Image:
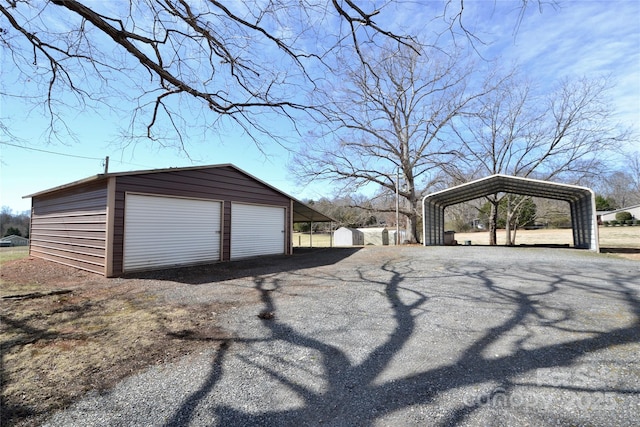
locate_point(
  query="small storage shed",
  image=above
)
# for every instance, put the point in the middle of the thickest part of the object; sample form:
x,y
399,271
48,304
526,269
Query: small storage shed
x,y
345,236
376,236
117,223
402,237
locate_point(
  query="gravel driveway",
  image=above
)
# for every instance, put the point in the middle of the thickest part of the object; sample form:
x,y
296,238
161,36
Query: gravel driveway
x,y
400,336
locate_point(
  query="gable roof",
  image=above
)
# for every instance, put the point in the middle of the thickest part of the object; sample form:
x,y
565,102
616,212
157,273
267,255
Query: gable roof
x,y
500,183
301,211
614,211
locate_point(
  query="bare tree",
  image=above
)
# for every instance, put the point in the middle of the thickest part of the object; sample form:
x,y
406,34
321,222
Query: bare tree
x,y
384,125
564,136
622,188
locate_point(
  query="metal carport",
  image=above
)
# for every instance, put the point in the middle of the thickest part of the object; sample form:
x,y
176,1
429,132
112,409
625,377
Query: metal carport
x,y
304,213
581,201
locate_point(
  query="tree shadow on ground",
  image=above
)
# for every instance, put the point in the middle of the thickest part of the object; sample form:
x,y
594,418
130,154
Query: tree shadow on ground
x,y
620,250
354,393
250,267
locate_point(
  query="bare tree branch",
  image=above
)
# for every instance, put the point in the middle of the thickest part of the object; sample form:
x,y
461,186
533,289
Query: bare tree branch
x,y
233,60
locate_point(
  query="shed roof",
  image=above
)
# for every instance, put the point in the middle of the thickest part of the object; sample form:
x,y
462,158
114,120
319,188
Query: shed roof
x,y
372,229
301,211
14,238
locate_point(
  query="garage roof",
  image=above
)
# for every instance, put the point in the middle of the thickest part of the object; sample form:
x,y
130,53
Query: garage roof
x,y
507,184
301,211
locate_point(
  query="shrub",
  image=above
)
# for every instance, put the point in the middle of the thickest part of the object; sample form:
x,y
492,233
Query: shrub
x,y
613,222
623,216
606,223
629,222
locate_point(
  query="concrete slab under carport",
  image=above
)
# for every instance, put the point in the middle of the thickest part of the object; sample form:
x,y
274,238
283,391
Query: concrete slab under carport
x,y
581,201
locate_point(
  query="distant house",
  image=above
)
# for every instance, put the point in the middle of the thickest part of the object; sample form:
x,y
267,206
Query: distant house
x,y
611,215
14,240
345,236
377,236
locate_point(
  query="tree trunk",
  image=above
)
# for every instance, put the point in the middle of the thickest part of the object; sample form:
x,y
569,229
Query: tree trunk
x,y
412,227
509,218
414,203
493,223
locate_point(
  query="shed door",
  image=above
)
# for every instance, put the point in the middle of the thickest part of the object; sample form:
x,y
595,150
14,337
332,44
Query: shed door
x,y
257,230
170,231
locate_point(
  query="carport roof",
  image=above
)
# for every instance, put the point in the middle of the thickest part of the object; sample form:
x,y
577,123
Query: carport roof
x,y
507,184
301,211
304,213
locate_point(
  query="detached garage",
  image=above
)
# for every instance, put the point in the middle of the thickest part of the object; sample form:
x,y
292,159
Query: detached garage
x,y
117,223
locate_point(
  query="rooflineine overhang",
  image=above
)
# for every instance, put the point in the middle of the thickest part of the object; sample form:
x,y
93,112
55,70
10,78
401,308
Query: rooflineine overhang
x,y
301,211
581,201
304,213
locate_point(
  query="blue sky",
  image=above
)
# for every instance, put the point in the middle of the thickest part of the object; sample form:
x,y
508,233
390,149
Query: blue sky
x,y
578,38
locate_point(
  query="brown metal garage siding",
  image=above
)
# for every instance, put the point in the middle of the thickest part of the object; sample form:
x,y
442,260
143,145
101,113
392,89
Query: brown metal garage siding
x,y
216,183
69,226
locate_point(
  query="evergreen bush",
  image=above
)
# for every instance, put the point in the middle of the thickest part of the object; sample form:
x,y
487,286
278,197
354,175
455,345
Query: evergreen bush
x,y
623,216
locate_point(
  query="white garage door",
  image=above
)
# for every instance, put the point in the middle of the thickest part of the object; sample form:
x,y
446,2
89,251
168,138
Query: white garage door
x,y
256,230
170,231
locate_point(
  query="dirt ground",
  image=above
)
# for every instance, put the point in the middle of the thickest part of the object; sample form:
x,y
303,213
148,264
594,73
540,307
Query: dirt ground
x,y
64,332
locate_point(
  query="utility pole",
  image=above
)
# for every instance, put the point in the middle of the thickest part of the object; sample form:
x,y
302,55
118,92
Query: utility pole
x,y
106,165
397,206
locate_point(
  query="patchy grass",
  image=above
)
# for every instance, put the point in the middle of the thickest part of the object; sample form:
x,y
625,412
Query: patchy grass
x,y
620,237
56,347
305,240
610,237
13,253
617,237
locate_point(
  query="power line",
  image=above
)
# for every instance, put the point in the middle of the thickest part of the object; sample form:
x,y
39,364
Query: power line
x,y
68,155
49,152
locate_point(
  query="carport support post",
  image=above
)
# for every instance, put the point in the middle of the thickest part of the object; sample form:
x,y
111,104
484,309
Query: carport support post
x,y
331,234
310,234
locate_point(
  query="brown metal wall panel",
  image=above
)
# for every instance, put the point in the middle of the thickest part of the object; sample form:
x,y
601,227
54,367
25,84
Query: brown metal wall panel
x,y
80,235
226,231
73,218
72,200
117,262
90,242
69,226
82,262
70,249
